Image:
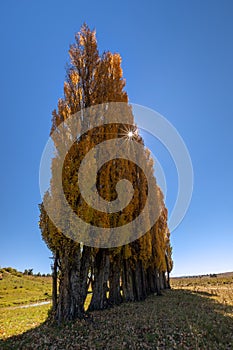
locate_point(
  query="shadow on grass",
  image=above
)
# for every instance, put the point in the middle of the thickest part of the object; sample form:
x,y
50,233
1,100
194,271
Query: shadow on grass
x,y
181,319
207,294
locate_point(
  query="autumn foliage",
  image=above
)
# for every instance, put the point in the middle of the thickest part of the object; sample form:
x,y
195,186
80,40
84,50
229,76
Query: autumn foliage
x,y
128,272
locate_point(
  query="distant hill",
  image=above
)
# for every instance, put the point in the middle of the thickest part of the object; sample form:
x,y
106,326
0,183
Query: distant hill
x,y
219,275
225,274
17,288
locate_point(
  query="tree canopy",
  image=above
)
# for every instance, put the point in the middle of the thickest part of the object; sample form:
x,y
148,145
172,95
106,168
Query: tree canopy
x,y
127,272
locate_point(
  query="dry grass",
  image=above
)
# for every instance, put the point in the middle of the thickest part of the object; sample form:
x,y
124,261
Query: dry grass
x,y
195,314
18,290
218,288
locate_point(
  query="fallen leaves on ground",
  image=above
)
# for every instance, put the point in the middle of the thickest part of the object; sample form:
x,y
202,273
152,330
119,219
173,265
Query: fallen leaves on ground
x,y
180,319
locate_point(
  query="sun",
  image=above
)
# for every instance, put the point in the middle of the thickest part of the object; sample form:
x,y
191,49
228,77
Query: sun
x,y
129,132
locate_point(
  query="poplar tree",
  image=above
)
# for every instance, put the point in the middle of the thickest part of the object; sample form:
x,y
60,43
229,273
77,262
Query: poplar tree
x,y
126,273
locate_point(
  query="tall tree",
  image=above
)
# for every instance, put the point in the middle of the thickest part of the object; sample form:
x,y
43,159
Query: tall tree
x,y
128,272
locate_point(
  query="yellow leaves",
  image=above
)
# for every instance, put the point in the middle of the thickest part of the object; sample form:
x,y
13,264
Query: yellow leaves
x,y
81,39
67,90
74,77
85,35
79,94
93,79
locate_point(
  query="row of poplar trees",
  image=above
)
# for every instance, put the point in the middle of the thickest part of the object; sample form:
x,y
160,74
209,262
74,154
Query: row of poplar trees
x,y
113,275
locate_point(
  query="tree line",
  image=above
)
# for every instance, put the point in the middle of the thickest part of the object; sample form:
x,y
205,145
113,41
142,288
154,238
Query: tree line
x,y
26,272
124,273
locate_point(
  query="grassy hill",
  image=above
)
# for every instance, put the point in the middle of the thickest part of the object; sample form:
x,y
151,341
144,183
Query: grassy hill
x,y
18,289
196,314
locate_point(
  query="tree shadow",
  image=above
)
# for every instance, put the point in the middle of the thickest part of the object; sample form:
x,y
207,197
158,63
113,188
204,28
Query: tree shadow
x,y
182,319
202,293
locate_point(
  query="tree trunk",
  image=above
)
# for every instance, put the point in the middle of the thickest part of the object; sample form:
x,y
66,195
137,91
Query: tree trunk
x,y
99,286
157,282
85,268
164,280
168,272
70,302
168,280
127,282
144,282
54,284
161,281
139,288
151,282
114,282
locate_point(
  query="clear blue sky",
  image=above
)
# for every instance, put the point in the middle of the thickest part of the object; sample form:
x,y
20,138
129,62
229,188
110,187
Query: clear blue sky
x,y
177,59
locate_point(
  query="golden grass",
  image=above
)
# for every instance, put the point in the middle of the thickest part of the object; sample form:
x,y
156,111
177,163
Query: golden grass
x,y
18,290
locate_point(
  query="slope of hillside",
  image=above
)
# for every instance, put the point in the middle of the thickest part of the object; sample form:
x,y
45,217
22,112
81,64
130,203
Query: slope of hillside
x,y
18,289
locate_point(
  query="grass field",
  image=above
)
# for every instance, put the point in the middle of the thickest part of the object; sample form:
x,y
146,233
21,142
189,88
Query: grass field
x,y
20,289
18,320
16,290
196,314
